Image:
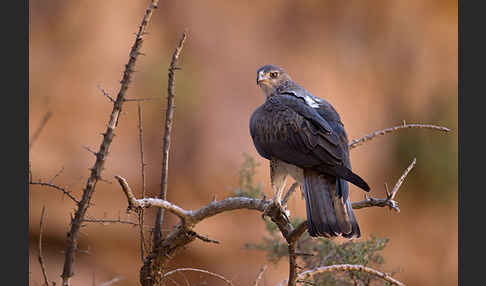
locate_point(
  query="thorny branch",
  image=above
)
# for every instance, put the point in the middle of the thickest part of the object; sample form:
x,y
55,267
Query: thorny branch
x,y
166,140
95,176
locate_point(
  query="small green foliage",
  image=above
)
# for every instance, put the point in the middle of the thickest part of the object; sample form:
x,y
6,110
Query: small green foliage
x,y
248,188
327,252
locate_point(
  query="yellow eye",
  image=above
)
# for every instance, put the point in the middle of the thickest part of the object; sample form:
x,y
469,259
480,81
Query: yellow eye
x,y
274,74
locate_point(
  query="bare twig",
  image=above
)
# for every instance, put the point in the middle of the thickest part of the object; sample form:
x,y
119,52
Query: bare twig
x,y
349,267
106,94
141,215
57,188
41,258
206,239
198,270
112,281
141,99
51,180
260,275
166,140
38,131
356,142
389,201
109,221
72,237
402,178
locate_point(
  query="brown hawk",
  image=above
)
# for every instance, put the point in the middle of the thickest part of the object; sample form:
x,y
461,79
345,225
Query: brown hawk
x,y
302,135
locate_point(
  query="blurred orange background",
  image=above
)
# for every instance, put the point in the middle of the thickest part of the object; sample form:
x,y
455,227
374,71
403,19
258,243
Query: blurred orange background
x,y
378,63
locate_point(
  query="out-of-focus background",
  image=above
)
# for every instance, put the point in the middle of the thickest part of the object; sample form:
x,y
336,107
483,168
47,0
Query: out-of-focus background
x,y
378,63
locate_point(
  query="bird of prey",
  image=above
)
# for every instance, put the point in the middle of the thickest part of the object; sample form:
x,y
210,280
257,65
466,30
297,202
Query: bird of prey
x,y
302,135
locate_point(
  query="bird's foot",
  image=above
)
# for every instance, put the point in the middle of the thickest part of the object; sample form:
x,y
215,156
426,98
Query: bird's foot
x,y
275,209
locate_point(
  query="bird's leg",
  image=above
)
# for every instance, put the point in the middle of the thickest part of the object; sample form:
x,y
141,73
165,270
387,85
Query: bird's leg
x,y
278,177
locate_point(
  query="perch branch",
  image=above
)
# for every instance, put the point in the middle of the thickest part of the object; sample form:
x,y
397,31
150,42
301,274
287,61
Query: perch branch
x,y
349,267
292,264
166,139
356,142
41,258
198,270
72,237
190,217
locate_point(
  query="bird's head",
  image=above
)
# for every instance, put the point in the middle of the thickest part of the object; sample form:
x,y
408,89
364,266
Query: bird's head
x,y
269,77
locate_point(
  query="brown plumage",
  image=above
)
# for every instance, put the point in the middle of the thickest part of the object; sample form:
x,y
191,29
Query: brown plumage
x,y
302,135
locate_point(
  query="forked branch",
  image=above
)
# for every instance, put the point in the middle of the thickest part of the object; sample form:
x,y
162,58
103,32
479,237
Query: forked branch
x,y
166,140
389,201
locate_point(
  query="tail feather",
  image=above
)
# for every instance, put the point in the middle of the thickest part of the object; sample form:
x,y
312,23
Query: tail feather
x,y
351,177
329,212
344,190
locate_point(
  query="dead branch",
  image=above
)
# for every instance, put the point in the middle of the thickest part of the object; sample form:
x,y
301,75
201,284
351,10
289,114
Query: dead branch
x,y
356,142
166,140
72,237
260,275
198,270
389,201
38,131
41,258
349,267
189,217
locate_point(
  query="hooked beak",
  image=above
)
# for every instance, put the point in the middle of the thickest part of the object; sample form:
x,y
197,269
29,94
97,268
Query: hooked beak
x,y
261,77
